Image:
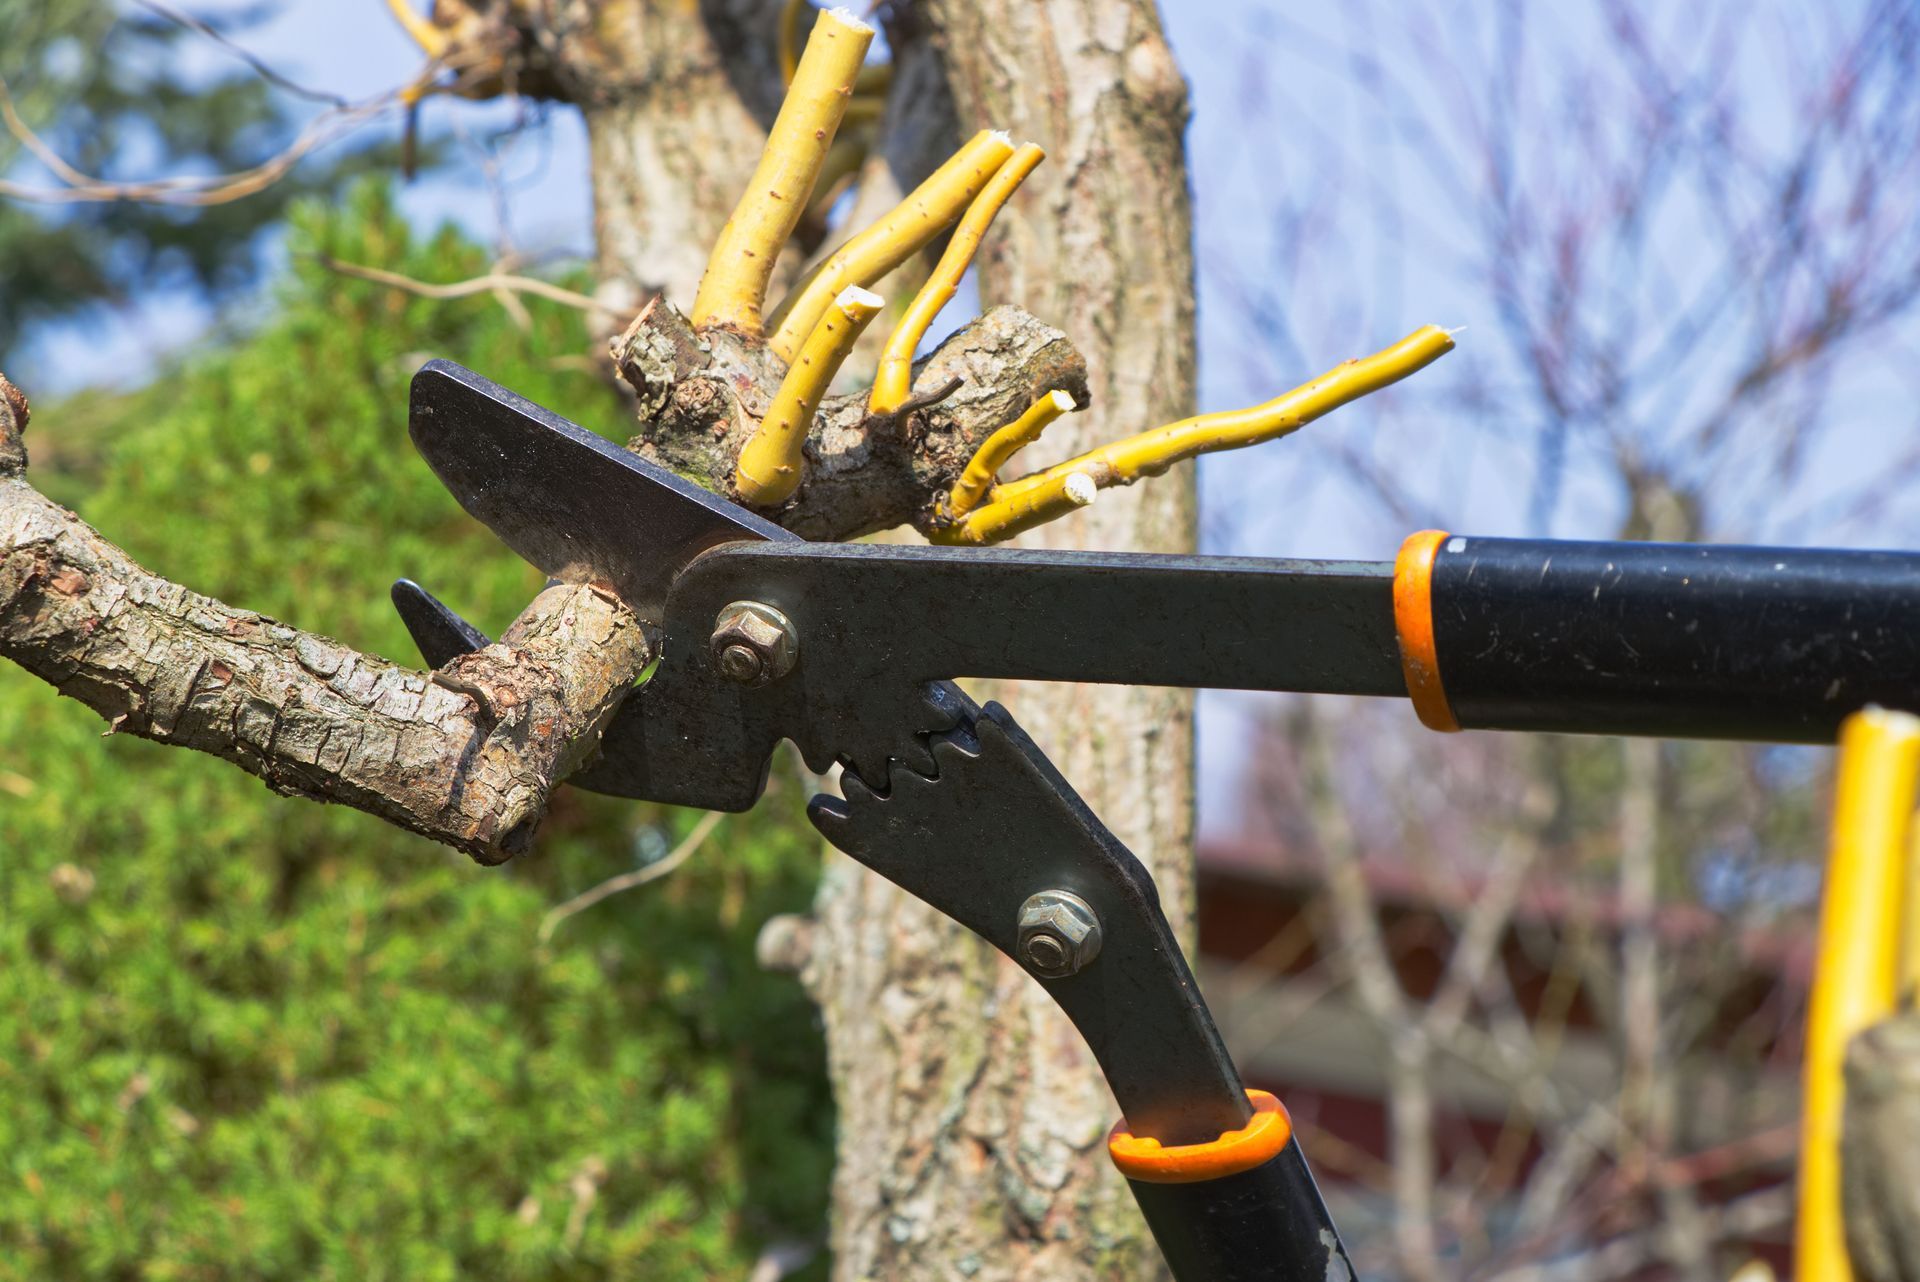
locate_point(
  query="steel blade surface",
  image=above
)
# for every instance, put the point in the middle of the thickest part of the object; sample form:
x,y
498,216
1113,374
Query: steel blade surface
x,y
576,506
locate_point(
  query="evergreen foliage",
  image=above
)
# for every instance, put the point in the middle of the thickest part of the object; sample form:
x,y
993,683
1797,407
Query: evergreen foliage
x,y
244,1036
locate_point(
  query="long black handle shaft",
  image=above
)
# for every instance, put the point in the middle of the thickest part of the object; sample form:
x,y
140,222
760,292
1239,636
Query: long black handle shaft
x,y
1673,640
1267,1224
880,610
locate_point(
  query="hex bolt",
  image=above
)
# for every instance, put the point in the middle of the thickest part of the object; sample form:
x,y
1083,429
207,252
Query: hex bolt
x,y
753,643
1059,933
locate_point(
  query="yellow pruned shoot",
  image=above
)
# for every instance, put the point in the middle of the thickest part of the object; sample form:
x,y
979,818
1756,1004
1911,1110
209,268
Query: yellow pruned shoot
x,y
1000,448
734,286
873,79
932,207
1856,965
424,33
1033,500
894,383
768,470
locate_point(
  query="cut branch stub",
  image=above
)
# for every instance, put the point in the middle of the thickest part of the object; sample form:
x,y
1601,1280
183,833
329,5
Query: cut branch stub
x,y
702,394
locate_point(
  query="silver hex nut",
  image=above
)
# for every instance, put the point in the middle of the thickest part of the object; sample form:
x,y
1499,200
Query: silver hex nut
x,y
753,643
1059,933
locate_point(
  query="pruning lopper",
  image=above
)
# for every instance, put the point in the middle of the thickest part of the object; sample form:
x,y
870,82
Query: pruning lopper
x,y
849,650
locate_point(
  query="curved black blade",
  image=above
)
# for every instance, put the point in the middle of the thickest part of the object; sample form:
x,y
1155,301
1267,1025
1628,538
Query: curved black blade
x,y
995,824
441,635
578,507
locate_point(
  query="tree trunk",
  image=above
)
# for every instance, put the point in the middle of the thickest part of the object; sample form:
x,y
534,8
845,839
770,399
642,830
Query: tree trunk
x,y
676,108
972,1118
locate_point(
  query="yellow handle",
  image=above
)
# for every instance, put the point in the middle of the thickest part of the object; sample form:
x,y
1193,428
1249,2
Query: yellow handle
x,y
1862,954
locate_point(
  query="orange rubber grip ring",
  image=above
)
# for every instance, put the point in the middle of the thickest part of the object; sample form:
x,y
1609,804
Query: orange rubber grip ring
x,y
1151,1162
1413,621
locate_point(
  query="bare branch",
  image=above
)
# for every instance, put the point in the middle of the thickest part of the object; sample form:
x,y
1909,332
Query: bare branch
x,y
467,755
260,68
191,192
703,393
626,881
491,283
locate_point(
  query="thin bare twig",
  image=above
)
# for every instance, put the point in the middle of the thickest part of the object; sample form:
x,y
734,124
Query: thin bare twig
x,y
929,399
260,68
638,877
491,283
192,192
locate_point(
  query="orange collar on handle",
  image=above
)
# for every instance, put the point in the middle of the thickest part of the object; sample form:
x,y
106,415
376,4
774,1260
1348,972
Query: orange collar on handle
x,y
1413,621
1255,1144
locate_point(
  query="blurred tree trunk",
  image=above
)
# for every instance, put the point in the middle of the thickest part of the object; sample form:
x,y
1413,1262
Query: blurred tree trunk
x,y
972,1119
676,107
978,1143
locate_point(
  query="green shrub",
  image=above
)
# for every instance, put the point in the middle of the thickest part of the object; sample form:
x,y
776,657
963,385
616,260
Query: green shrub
x,y
248,1036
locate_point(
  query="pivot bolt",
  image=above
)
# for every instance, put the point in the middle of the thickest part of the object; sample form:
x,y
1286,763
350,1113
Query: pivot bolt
x,y
1059,933
753,643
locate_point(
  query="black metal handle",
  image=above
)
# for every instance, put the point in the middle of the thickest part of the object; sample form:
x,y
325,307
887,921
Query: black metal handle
x,y
1267,1224
1678,640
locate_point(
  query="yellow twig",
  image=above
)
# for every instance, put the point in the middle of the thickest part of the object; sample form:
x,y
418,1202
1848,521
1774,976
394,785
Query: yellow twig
x,y
874,78
768,470
1855,963
1001,447
929,210
894,382
424,33
734,286
1033,500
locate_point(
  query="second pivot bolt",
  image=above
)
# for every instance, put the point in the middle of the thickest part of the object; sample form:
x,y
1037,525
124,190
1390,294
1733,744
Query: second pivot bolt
x,y
1059,933
753,643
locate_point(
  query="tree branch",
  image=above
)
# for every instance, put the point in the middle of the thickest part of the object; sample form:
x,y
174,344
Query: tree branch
x,y
467,755
491,283
194,191
702,395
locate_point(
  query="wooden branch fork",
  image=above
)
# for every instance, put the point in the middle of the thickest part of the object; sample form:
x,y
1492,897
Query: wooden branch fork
x,y
469,754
